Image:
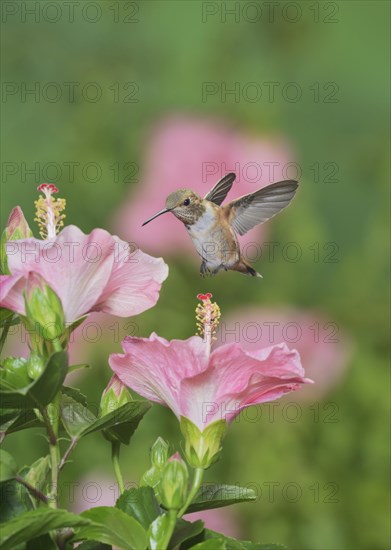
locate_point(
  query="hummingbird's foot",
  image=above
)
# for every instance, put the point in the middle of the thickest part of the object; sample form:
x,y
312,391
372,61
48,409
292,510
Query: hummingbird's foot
x,y
204,271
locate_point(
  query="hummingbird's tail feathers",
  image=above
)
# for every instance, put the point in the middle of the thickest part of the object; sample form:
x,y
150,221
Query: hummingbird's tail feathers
x,y
243,267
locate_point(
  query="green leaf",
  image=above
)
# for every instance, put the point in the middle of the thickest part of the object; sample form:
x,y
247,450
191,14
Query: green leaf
x,y
79,421
41,391
259,546
75,416
8,467
213,544
14,500
141,504
213,495
33,524
8,317
123,421
7,418
233,544
112,526
94,545
75,324
5,317
159,530
75,394
37,474
185,530
45,542
13,420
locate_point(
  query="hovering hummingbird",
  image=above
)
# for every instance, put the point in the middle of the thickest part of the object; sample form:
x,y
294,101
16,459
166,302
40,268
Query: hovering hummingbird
x,y
214,228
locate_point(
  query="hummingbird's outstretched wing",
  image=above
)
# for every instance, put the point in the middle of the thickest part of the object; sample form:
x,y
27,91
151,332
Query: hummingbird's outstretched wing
x,y
221,189
248,211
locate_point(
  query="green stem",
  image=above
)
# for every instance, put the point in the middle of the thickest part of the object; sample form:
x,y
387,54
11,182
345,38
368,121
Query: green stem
x,y
49,427
53,415
163,543
68,452
115,447
57,345
197,480
4,332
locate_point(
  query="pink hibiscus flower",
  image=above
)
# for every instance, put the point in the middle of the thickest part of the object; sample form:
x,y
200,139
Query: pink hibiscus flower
x,y
95,272
204,386
185,151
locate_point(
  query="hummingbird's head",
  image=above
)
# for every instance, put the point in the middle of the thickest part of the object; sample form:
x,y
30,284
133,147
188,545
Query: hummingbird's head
x,y
184,204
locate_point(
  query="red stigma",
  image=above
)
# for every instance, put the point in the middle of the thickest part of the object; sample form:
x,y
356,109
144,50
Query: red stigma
x,y
204,297
47,187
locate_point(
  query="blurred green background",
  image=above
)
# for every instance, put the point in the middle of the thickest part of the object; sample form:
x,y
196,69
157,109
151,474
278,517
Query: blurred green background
x,y
169,49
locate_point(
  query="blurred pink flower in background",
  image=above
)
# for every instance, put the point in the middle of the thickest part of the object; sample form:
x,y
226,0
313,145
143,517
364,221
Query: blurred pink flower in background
x,y
96,489
186,151
324,350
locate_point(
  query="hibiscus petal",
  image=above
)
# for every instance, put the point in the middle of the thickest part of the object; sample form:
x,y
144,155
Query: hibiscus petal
x,y
11,292
154,367
261,391
134,283
235,366
236,379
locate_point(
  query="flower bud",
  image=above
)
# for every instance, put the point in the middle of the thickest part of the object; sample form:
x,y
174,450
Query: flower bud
x,y
202,449
17,228
159,456
43,307
13,374
114,396
175,456
35,366
151,478
159,453
174,484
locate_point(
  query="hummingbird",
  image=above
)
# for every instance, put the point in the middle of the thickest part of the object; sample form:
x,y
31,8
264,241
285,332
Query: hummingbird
x,y
214,229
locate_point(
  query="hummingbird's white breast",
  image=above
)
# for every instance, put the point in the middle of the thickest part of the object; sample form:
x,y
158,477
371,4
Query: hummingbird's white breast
x,y
210,237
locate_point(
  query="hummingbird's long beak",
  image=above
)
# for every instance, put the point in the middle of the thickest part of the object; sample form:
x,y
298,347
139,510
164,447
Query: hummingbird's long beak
x,y
156,215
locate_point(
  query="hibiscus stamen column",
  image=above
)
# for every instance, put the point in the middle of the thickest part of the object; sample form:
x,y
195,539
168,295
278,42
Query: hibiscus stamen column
x,y
48,211
207,316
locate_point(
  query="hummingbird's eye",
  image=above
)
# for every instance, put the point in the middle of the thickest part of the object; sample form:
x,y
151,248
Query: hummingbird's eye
x,y
186,202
